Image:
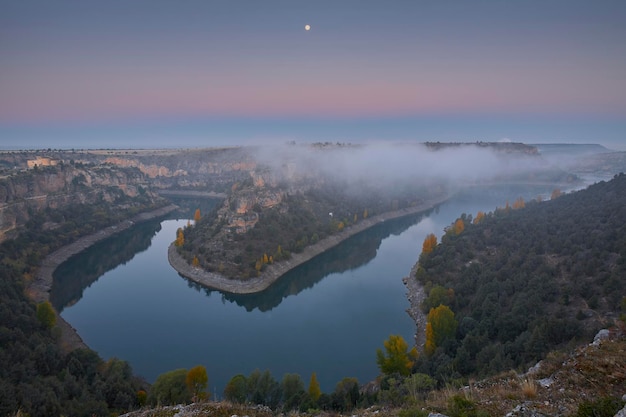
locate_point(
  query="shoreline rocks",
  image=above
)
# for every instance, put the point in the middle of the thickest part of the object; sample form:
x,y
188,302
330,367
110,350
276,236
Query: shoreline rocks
x,y
415,295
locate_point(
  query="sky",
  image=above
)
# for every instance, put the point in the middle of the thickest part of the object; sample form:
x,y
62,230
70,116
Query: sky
x,y
156,73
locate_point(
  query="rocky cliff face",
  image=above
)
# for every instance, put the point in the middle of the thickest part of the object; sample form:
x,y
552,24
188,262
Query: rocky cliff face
x,y
23,194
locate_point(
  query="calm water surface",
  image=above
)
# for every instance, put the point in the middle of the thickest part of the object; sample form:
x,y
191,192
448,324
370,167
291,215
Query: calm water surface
x,y
328,316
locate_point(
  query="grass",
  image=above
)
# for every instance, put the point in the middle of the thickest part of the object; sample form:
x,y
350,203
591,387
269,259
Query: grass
x,y
529,388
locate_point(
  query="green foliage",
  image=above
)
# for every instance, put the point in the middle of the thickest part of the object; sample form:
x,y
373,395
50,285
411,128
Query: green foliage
x,y
170,388
236,390
292,389
521,276
459,406
263,389
602,407
417,385
346,394
35,376
443,324
436,296
397,358
299,220
46,314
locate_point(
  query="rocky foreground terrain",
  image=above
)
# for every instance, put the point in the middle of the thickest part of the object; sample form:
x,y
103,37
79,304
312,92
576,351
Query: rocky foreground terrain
x,y
556,386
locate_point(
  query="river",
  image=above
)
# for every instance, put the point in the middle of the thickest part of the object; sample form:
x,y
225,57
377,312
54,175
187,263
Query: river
x,y
327,316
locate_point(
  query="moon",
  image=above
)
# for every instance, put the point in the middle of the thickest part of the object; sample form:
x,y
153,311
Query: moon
x,y
307,27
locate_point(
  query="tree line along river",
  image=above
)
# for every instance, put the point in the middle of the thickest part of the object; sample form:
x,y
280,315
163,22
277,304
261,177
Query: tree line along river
x,y
327,316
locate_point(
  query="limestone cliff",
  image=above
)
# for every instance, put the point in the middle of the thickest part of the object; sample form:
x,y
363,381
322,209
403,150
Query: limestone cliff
x,y
24,194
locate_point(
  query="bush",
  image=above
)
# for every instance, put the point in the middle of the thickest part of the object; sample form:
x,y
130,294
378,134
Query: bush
x,y
603,407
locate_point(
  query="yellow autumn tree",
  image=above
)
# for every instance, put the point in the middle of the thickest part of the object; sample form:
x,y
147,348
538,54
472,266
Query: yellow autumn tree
x,y
556,193
519,203
197,381
459,226
365,214
430,242
440,326
197,215
397,357
480,216
180,237
195,262
429,346
315,392
265,258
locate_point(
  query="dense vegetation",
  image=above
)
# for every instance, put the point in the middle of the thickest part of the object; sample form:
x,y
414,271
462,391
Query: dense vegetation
x,y
300,219
35,376
524,280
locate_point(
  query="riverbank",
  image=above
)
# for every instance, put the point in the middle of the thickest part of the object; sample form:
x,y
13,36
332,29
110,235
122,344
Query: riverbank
x,y
415,295
275,271
39,288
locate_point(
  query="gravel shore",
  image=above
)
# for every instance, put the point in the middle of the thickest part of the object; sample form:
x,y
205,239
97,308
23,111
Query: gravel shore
x,y
415,295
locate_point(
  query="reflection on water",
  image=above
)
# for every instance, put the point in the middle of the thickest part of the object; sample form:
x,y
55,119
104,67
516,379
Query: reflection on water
x,y
72,277
80,271
327,316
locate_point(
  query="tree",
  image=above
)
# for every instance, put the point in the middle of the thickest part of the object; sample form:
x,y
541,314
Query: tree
x,y
430,242
459,226
418,384
196,215
180,237
429,345
346,394
442,326
438,295
365,213
195,262
237,389
314,388
263,388
556,193
398,358
480,216
519,203
46,314
196,381
170,388
292,389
